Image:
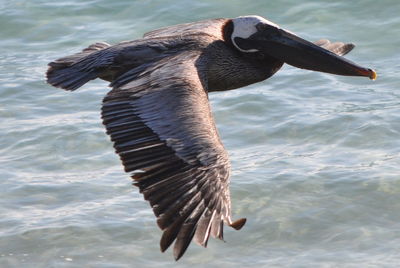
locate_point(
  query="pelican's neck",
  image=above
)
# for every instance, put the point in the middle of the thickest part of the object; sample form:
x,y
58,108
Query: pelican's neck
x,y
227,30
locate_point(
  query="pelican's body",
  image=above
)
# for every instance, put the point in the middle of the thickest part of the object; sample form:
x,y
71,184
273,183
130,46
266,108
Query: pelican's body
x,y
159,118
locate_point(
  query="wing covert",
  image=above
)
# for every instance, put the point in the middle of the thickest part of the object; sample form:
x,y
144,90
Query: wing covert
x,y
212,27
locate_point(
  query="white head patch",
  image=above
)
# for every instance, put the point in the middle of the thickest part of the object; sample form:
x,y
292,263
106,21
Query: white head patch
x,y
245,26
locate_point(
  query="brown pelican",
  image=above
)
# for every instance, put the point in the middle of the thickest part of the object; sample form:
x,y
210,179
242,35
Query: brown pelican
x,y
159,118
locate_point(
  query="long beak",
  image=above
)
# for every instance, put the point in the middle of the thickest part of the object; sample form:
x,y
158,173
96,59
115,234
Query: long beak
x,y
301,53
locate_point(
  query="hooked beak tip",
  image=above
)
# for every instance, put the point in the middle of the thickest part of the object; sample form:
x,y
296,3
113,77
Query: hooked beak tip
x,y
366,72
372,74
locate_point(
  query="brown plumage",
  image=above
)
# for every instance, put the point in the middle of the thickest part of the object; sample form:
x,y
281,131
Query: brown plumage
x,y
159,119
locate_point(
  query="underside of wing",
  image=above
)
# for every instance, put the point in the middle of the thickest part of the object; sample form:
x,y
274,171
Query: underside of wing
x,y
339,48
160,122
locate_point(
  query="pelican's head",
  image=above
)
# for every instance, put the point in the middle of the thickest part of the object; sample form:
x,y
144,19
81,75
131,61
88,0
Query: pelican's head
x,y
255,34
246,26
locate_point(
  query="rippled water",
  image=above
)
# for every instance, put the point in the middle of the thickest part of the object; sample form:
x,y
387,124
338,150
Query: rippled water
x,y
316,157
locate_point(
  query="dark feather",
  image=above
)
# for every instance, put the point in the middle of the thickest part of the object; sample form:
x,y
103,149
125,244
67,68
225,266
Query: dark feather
x,y
188,230
72,72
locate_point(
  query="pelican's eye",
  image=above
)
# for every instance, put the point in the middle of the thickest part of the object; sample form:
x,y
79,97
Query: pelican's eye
x,y
262,26
267,30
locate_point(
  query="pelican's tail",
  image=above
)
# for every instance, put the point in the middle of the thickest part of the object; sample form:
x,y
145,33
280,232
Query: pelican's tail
x,y
73,71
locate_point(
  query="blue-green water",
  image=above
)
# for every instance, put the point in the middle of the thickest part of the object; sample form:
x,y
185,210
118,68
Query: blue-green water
x,y
316,157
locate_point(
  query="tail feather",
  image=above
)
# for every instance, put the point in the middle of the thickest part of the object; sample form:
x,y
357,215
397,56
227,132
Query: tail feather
x,y
73,71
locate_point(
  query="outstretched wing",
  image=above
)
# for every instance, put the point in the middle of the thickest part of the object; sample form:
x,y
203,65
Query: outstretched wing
x,y
159,119
339,48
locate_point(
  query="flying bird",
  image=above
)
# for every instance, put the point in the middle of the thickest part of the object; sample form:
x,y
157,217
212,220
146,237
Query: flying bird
x,y
159,117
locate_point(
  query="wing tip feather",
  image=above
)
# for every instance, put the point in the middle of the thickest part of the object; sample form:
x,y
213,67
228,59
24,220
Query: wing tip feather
x,y
238,224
